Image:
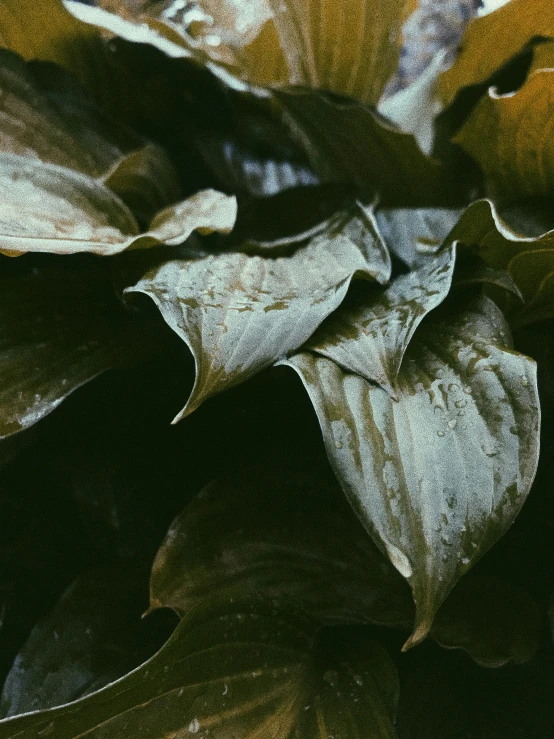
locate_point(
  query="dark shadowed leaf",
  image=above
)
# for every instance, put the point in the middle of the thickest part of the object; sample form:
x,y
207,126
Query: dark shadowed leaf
x,y
88,640
351,48
280,536
58,331
231,672
440,474
503,243
496,622
370,338
351,142
491,41
240,313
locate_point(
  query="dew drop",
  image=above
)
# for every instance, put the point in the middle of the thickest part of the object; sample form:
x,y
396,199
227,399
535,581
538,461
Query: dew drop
x,y
452,424
460,403
465,560
440,434
194,726
338,444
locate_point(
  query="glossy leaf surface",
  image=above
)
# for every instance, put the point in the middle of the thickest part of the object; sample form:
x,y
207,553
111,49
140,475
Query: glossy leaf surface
x,y
240,313
467,409
234,671
370,339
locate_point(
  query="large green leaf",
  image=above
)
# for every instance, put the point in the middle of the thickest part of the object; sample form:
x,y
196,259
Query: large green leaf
x,y
233,671
279,535
240,313
370,338
46,208
438,475
59,330
491,41
349,141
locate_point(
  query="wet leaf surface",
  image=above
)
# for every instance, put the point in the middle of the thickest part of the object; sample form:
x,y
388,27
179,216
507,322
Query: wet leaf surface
x,y
467,404
240,313
231,670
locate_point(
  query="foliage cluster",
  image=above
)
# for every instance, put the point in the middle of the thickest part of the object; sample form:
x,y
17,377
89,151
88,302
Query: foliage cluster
x,y
341,293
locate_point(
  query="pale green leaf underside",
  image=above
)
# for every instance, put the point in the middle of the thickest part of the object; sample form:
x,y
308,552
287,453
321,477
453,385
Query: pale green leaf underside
x,y
439,475
229,671
371,338
47,208
240,313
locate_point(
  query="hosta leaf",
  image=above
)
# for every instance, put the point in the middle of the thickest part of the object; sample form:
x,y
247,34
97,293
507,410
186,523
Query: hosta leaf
x,y
412,234
491,41
46,208
46,115
508,136
350,48
528,260
88,640
302,545
496,622
351,142
370,338
438,475
229,671
47,31
58,331
240,313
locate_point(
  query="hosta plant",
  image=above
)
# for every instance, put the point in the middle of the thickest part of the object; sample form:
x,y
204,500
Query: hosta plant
x,y
276,299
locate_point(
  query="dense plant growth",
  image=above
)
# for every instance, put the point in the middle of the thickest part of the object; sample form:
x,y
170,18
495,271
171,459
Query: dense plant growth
x,y
337,286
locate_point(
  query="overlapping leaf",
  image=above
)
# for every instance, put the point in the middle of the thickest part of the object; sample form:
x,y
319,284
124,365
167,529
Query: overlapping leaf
x,y
302,545
491,41
370,339
58,331
45,208
350,142
438,475
88,640
508,135
233,671
240,313
528,259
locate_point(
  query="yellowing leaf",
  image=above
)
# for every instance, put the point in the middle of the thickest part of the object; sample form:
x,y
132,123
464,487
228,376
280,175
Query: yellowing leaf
x,y
438,475
240,313
231,670
508,136
491,41
350,48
